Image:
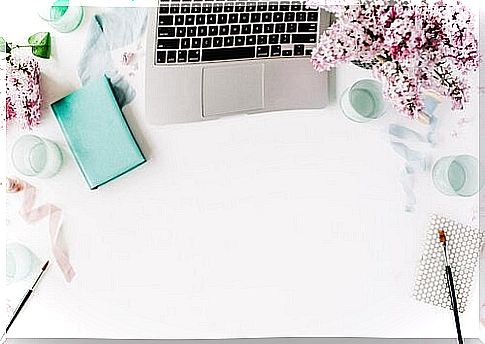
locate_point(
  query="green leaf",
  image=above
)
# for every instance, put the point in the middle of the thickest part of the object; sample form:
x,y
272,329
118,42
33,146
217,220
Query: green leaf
x,y
5,49
41,44
3,45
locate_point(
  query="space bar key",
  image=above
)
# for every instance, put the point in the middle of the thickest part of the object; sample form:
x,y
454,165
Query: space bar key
x,y
228,54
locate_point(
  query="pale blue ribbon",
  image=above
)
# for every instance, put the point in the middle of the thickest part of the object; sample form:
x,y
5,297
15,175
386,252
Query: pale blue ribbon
x,y
111,30
415,161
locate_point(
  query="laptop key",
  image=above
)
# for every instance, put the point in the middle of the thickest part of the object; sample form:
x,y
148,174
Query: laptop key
x,y
211,19
168,43
255,17
262,51
190,20
307,27
227,54
182,56
200,19
233,18
251,7
224,30
262,39
276,50
312,16
268,28
308,52
162,10
228,41
196,42
213,30
185,43
257,28
246,29
192,31
273,6
244,18
251,40
298,49
266,17
165,20
289,16
285,38
222,18
194,55
161,56
235,29
291,27
278,16
202,31
172,56
285,7
185,9
207,42
273,39
279,28
300,16
166,32
179,20
207,8
304,38
287,52
261,7
239,40
181,31
217,42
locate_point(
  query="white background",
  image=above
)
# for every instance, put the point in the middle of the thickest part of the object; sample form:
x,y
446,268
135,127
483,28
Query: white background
x,y
276,144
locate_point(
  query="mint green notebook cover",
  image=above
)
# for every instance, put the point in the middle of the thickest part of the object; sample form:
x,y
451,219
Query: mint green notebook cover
x,y
97,133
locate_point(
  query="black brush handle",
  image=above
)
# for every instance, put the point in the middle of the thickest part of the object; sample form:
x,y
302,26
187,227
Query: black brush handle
x,y
451,286
17,311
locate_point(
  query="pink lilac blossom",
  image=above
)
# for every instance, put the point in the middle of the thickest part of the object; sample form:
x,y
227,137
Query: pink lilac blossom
x,y
23,98
414,47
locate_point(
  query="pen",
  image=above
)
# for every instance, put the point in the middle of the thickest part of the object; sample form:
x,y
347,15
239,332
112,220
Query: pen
x,y
24,299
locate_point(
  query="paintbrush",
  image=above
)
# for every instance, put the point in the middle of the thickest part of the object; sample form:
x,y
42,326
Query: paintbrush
x,y
451,287
25,299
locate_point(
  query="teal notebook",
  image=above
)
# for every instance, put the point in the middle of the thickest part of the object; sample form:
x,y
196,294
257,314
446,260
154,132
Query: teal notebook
x,y
97,133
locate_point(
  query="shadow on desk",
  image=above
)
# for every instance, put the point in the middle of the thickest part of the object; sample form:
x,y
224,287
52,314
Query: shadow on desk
x,y
247,341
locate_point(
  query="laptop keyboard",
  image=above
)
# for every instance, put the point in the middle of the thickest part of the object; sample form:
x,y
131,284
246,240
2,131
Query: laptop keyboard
x,y
200,31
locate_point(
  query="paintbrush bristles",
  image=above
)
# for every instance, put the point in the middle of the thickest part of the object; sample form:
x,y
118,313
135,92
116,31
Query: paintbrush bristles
x,y
442,236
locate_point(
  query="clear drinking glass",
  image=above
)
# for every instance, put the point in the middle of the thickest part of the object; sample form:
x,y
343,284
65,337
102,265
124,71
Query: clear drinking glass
x,y
36,156
62,15
457,175
20,262
363,101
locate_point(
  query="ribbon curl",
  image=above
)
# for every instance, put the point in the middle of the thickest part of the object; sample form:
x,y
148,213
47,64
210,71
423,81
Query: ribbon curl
x,y
31,215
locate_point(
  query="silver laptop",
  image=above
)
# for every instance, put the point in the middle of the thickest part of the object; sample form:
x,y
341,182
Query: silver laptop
x,y
210,58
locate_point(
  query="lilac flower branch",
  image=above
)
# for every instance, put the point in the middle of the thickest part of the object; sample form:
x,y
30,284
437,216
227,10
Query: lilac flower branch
x,y
412,47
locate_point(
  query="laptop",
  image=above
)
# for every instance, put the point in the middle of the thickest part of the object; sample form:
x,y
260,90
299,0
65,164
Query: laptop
x,y
207,59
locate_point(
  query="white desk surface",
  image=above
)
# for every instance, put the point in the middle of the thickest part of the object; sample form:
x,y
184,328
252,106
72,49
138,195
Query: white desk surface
x,y
288,224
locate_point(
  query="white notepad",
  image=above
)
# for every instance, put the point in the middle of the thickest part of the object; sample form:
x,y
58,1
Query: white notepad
x,y
463,245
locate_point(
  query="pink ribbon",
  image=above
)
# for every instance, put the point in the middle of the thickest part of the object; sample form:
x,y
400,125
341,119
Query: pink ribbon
x,y
31,215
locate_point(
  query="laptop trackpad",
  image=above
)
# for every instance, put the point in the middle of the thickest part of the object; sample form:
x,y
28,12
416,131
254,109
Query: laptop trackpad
x,y
232,89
